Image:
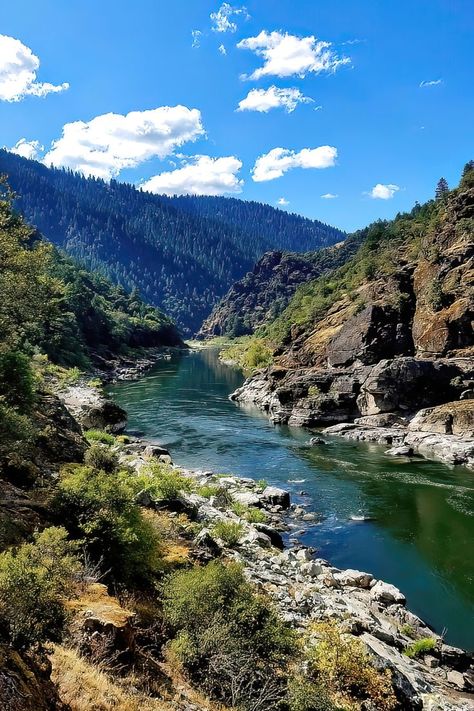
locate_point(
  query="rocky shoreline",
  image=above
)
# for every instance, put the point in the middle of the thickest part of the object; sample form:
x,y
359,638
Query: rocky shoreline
x,y
424,406
304,587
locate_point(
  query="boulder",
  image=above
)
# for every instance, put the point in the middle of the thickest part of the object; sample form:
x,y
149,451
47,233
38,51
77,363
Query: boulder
x,y
450,418
106,415
247,498
272,533
387,594
275,496
354,578
155,451
401,451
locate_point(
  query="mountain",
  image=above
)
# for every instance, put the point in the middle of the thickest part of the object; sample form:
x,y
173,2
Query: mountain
x,y
52,305
265,291
385,334
182,253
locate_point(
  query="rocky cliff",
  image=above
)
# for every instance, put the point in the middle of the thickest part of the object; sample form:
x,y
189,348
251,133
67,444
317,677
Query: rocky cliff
x,y
389,332
265,292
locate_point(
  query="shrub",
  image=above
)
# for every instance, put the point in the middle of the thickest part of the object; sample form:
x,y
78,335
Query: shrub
x,y
162,481
420,647
313,391
341,664
17,380
99,509
249,513
306,695
35,579
14,428
99,436
228,639
229,532
208,490
99,457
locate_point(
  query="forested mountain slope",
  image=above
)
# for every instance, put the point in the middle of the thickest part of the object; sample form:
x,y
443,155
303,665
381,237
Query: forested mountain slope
x,y
265,292
181,253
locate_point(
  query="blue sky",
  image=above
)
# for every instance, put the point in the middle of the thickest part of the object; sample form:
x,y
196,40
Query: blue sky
x,y
353,111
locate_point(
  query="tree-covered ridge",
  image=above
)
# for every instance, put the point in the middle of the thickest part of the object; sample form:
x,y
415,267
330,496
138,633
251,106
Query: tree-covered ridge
x,y
181,253
51,305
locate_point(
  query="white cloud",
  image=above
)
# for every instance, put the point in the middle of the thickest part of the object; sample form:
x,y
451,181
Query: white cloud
x,y
272,98
286,55
283,201
432,82
196,35
200,175
222,49
329,196
275,163
109,143
221,20
18,67
383,192
27,149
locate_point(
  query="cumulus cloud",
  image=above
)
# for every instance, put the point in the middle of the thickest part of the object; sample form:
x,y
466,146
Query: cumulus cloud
x,y
432,82
196,35
111,142
383,192
200,175
329,196
283,202
27,149
286,55
272,98
279,160
18,68
222,19
222,49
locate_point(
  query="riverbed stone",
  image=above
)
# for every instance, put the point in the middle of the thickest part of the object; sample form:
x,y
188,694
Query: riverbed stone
x,y
275,496
387,594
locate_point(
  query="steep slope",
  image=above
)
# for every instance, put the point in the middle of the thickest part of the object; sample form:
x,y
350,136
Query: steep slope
x,y
265,292
388,333
183,254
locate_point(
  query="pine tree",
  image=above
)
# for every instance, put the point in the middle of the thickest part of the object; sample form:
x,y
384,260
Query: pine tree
x,y
467,168
442,189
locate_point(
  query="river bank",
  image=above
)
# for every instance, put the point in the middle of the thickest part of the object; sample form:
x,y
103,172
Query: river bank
x,y
307,588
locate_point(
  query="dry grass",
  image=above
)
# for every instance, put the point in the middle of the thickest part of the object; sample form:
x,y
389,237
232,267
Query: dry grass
x,y
86,688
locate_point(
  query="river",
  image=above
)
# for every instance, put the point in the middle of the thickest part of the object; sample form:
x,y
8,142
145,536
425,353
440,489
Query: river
x,y
422,533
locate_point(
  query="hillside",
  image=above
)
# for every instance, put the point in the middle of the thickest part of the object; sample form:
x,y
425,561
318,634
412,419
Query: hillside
x,y
181,253
265,291
389,332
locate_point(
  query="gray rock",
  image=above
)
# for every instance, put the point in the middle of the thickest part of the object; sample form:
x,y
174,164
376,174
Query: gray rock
x,y
272,534
276,497
354,578
155,451
401,451
387,594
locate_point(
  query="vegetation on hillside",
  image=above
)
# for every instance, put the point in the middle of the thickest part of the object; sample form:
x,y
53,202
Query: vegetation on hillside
x,y
181,253
386,247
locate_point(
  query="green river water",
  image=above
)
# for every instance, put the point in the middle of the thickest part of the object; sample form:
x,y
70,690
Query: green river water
x,y
422,532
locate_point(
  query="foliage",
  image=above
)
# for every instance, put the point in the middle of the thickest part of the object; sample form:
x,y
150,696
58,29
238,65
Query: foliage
x,y
102,458
248,353
162,481
35,580
228,639
17,380
182,253
99,510
208,490
249,513
99,436
229,532
342,666
307,695
419,647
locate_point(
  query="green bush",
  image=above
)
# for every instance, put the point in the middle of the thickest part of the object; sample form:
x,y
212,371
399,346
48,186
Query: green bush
x,y
162,481
249,513
227,638
35,580
17,380
14,428
306,695
99,436
99,509
99,457
420,647
208,490
229,532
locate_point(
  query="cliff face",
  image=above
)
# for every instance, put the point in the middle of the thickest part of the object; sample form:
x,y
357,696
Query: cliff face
x,y
265,292
422,305
388,333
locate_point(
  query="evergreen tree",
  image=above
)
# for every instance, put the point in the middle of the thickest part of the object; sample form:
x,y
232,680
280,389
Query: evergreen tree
x,y
442,188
